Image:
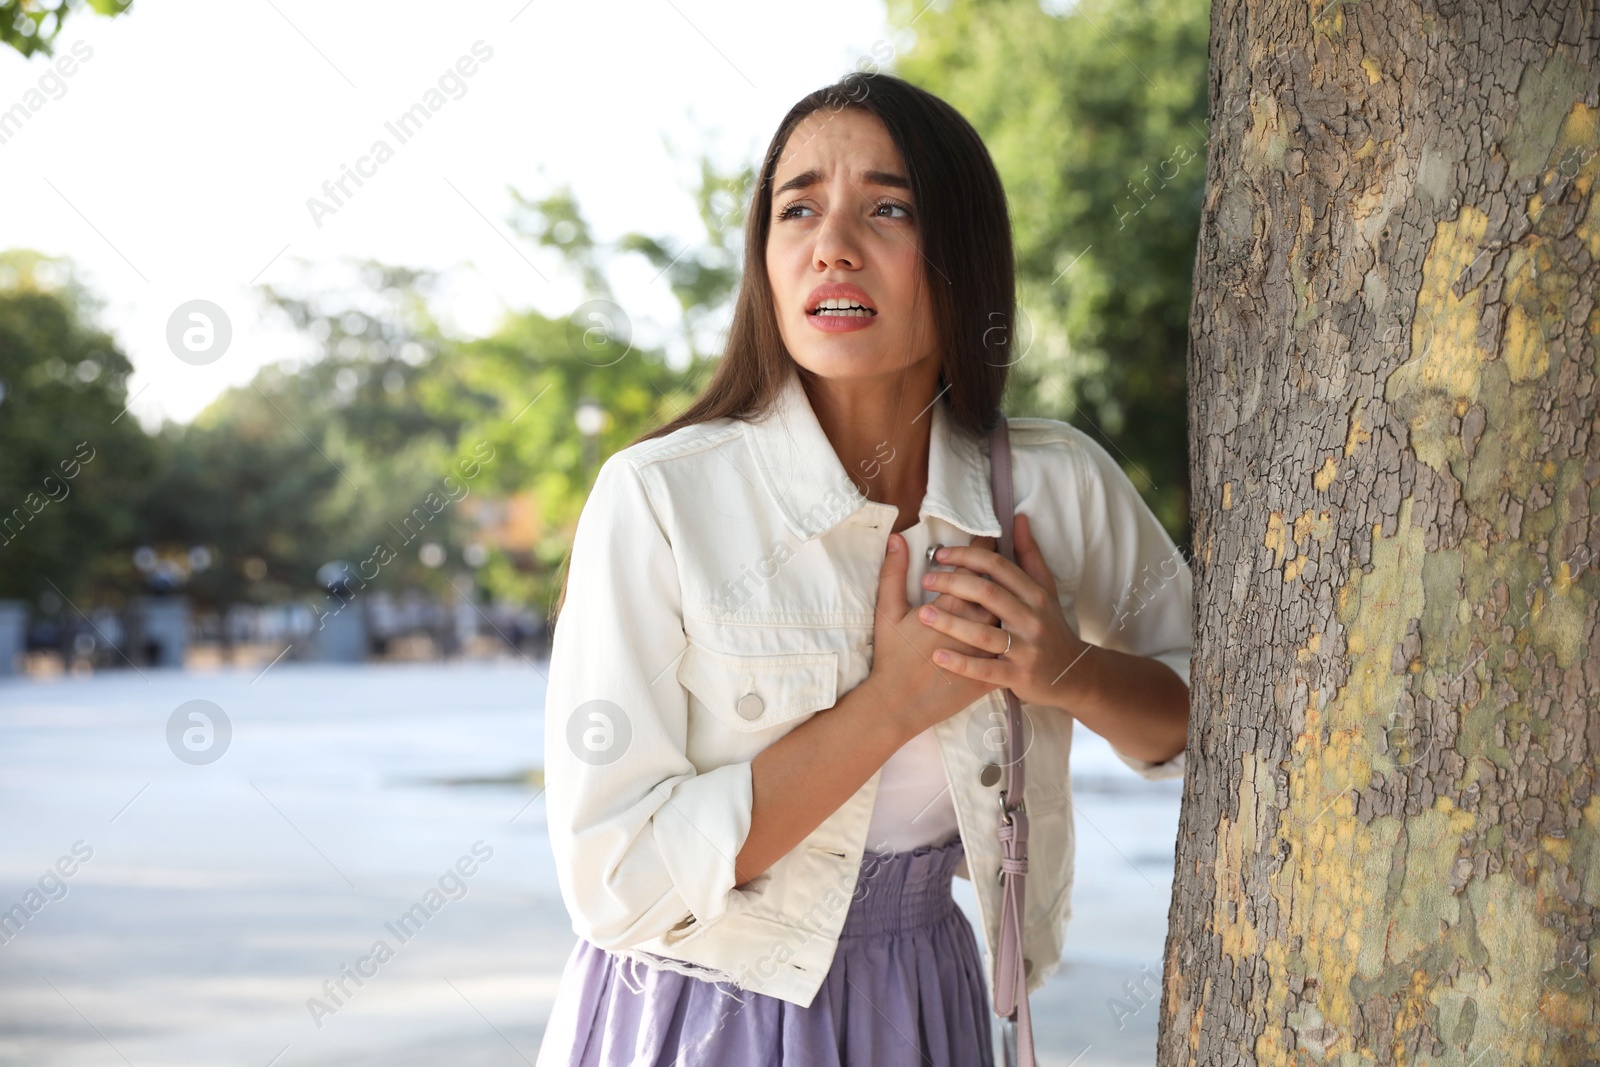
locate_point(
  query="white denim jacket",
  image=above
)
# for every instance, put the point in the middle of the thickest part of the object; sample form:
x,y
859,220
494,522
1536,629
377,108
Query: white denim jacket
x,y
720,592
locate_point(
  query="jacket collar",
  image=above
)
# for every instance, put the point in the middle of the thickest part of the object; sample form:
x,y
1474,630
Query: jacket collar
x,y
809,486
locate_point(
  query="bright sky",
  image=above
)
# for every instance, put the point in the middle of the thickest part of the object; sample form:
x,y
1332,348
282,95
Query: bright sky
x,y
176,160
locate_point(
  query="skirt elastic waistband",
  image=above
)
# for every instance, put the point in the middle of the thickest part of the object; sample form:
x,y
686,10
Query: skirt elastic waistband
x,y
898,891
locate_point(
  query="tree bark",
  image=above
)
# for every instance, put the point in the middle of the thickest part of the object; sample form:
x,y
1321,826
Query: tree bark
x,y
1390,844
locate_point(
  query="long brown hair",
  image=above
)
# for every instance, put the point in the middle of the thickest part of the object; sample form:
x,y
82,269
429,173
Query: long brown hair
x,y
968,265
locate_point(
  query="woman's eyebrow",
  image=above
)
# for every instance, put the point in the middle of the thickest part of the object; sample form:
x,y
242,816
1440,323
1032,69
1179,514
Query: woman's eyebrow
x,y
872,177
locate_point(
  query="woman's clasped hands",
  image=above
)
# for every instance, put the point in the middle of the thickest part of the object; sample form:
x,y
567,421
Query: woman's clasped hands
x,y
995,624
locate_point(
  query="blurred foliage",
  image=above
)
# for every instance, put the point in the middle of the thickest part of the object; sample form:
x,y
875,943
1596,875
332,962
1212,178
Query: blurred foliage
x,y
71,462
539,376
321,463
32,26
704,279
1096,119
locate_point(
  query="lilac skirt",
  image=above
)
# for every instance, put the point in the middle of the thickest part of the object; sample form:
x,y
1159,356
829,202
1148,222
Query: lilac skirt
x,y
906,989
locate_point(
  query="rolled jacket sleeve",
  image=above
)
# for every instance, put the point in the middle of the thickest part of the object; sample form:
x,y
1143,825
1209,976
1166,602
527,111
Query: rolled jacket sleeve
x,y
643,842
1136,592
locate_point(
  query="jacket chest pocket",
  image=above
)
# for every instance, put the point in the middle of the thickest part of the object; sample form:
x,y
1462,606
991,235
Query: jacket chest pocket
x,y
753,693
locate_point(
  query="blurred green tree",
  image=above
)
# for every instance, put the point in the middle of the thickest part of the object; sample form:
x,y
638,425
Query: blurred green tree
x,y
31,26
311,464
71,459
1096,118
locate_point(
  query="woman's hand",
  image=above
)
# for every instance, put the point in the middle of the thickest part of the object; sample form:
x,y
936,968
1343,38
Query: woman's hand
x,y
1023,597
913,690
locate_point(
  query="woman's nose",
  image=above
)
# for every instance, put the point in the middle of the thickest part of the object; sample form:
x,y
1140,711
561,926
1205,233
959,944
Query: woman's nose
x,y
837,243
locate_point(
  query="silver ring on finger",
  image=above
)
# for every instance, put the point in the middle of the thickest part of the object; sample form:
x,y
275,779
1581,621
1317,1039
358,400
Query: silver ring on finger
x,y
1003,651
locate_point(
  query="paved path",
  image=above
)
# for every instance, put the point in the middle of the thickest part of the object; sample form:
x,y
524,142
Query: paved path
x,y
217,899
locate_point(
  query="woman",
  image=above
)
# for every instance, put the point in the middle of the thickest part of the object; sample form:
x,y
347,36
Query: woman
x,y
762,767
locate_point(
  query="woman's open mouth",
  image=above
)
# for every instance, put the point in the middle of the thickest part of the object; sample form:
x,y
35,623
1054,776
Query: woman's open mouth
x,y
837,309
841,315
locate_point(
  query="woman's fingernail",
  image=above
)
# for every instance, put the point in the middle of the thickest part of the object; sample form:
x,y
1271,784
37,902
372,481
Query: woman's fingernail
x,y
929,614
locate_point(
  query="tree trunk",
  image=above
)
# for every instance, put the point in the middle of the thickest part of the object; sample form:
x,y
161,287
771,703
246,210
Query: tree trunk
x,y
1390,842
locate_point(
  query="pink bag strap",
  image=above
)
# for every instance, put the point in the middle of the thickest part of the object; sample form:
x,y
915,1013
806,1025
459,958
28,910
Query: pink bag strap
x,y
1011,985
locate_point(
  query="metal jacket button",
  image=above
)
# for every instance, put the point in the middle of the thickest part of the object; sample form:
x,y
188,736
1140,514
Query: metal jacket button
x,y
932,549
990,774
751,705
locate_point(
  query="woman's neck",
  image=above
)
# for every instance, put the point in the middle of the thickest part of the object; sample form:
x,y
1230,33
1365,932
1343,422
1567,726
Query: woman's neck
x,y
881,430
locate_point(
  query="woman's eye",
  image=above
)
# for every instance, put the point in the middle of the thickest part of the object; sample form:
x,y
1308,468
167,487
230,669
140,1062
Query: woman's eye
x,y
790,211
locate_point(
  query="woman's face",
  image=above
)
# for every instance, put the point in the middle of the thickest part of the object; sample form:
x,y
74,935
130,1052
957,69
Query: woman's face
x,y
842,215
